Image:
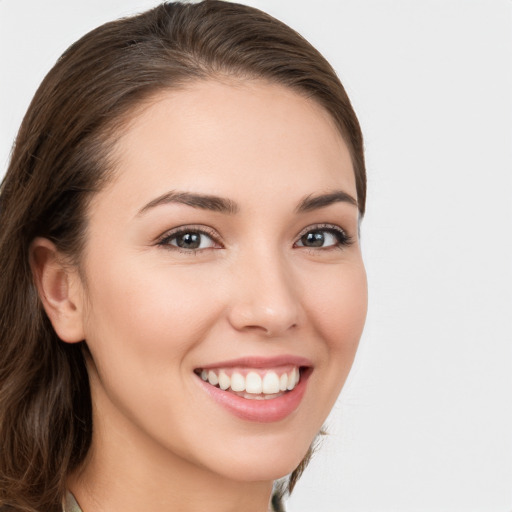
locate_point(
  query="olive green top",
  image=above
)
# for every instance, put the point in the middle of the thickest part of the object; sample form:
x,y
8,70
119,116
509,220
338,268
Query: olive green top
x,y
70,504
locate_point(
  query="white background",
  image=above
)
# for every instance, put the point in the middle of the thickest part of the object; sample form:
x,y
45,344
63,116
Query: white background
x,y
425,421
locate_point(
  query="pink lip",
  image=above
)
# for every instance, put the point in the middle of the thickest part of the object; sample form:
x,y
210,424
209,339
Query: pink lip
x,y
262,411
261,362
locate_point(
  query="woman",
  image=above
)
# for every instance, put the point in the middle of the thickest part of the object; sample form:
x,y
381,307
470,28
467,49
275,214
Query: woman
x,y
182,284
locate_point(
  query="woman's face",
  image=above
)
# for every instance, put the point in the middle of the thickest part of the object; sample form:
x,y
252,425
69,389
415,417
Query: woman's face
x,y
226,248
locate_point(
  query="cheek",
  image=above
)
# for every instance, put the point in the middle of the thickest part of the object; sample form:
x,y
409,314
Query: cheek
x,y
142,328
149,312
339,309
339,305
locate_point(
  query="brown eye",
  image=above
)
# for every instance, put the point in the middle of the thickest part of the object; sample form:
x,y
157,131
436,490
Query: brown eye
x,y
313,239
189,240
323,238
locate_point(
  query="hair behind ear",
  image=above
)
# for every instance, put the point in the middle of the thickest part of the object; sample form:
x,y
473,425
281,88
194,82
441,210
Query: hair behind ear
x,y
45,405
45,419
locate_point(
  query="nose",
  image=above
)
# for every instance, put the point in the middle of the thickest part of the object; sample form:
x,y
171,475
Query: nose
x,y
264,297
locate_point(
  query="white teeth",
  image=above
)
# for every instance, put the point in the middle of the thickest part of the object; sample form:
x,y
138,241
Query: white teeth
x,y
212,378
283,382
224,381
270,383
291,380
265,386
253,383
237,382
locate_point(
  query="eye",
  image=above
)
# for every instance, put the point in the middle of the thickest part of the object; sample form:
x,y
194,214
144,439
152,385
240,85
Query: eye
x,y
324,237
188,239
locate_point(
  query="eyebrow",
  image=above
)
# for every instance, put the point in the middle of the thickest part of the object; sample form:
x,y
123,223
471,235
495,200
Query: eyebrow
x,y
201,201
321,201
223,205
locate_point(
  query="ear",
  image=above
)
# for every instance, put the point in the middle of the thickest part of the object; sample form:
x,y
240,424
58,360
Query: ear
x,y
60,290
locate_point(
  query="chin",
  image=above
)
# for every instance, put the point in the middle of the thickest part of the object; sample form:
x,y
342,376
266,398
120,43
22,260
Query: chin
x,y
261,462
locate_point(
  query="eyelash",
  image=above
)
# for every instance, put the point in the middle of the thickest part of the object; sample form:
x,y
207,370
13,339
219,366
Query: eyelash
x,y
342,239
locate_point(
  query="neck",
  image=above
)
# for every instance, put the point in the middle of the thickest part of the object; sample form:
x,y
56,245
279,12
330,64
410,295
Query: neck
x,y
99,490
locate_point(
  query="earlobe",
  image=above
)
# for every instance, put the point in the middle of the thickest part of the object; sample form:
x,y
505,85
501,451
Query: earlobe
x,y
59,289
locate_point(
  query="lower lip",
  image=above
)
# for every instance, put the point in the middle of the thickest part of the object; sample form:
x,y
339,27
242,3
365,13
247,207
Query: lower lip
x,y
261,411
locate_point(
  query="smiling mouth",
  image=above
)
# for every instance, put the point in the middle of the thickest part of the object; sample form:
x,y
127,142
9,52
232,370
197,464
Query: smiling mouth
x,y
253,384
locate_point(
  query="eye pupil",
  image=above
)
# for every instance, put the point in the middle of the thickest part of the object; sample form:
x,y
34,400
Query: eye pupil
x,y
189,240
313,239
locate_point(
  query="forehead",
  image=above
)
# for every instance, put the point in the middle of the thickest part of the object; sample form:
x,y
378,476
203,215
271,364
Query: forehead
x,y
219,135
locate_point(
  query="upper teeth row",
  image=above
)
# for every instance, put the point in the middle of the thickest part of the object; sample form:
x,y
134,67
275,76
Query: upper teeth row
x,y
271,383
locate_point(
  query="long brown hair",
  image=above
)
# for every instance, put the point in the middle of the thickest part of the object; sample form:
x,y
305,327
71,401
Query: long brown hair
x,y
61,158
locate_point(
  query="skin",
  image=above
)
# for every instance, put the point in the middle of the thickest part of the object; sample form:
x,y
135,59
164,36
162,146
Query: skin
x,y
151,313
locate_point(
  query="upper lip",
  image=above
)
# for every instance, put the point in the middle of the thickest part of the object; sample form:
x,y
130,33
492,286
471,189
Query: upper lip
x,y
260,362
